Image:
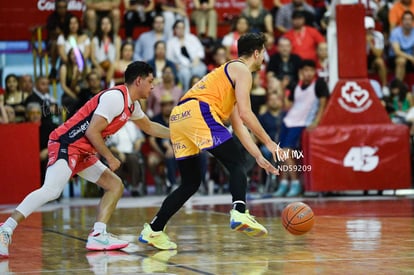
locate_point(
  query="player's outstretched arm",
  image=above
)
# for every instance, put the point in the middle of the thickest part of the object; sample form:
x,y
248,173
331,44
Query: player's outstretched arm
x,y
244,136
152,128
93,134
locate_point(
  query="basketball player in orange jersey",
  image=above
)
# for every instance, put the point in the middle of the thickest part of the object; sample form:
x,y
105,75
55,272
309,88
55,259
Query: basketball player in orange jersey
x,y
73,147
197,123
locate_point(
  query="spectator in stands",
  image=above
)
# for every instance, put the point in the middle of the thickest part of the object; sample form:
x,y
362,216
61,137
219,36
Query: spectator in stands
x,y
4,119
72,79
137,13
271,121
283,20
219,58
187,52
173,10
106,47
126,146
92,88
14,97
166,86
160,61
205,18
162,148
284,65
96,9
260,19
144,46
26,84
71,37
257,95
396,12
41,95
308,99
375,51
127,53
11,115
241,26
401,54
322,62
304,39
401,101
34,115
55,24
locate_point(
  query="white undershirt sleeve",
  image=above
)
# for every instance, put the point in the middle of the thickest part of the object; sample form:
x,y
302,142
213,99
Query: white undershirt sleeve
x,y
111,104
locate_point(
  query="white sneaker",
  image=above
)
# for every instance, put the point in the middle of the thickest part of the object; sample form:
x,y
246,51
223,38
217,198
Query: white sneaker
x,y
104,241
5,241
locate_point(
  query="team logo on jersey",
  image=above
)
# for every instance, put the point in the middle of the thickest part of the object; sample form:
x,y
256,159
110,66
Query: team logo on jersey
x,y
354,98
123,117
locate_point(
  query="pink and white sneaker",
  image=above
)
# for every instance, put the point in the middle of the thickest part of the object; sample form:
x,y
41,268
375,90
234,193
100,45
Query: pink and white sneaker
x,y
105,241
5,241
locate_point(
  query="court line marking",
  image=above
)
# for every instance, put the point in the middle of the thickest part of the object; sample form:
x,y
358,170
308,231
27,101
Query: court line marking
x,y
134,253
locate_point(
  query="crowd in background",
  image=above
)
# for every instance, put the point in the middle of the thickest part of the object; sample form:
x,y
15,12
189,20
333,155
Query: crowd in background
x,y
91,52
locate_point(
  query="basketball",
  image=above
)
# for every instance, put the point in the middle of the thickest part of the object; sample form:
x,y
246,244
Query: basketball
x,y
297,218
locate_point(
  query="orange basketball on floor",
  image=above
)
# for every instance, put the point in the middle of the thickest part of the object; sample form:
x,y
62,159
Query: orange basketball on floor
x,y
297,218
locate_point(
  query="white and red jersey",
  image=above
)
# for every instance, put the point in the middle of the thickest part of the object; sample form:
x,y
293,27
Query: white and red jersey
x,y
72,132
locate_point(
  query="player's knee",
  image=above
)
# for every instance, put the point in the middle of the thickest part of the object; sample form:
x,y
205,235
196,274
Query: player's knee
x,y
117,187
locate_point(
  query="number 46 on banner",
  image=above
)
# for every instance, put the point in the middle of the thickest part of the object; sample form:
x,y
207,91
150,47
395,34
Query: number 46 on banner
x,y
361,158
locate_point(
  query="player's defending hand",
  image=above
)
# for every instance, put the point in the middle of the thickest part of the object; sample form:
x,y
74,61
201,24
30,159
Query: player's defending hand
x,y
113,163
267,166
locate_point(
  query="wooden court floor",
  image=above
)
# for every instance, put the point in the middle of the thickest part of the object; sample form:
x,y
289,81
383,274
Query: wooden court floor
x,y
352,235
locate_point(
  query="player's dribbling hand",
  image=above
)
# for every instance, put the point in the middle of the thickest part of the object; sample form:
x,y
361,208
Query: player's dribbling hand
x,y
267,166
113,163
277,152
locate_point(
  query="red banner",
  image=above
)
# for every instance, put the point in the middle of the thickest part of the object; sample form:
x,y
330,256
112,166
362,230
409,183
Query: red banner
x,y
357,157
19,161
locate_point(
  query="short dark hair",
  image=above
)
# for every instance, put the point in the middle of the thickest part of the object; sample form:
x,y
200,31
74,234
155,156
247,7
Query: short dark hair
x,y
249,42
298,14
135,69
308,63
407,12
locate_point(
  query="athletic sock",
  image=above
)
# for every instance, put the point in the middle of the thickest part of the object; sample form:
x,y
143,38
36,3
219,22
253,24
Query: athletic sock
x,y
10,223
98,228
239,206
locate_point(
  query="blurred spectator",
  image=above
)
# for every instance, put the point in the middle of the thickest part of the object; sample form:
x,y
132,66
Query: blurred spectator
x,y
166,86
397,11
162,148
106,46
375,50
127,53
160,61
283,20
26,84
55,24
126,146
271,120
270,46
72,36
401,54
284,65
194,79
41,95
322,63
34,115
257,95
92,88
241,26
260,19
304,39
401,101
173,10
219,58
187,52
96,9
4,118
72,79
205,18
308,101
14,97
144,46
11,115
137,13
